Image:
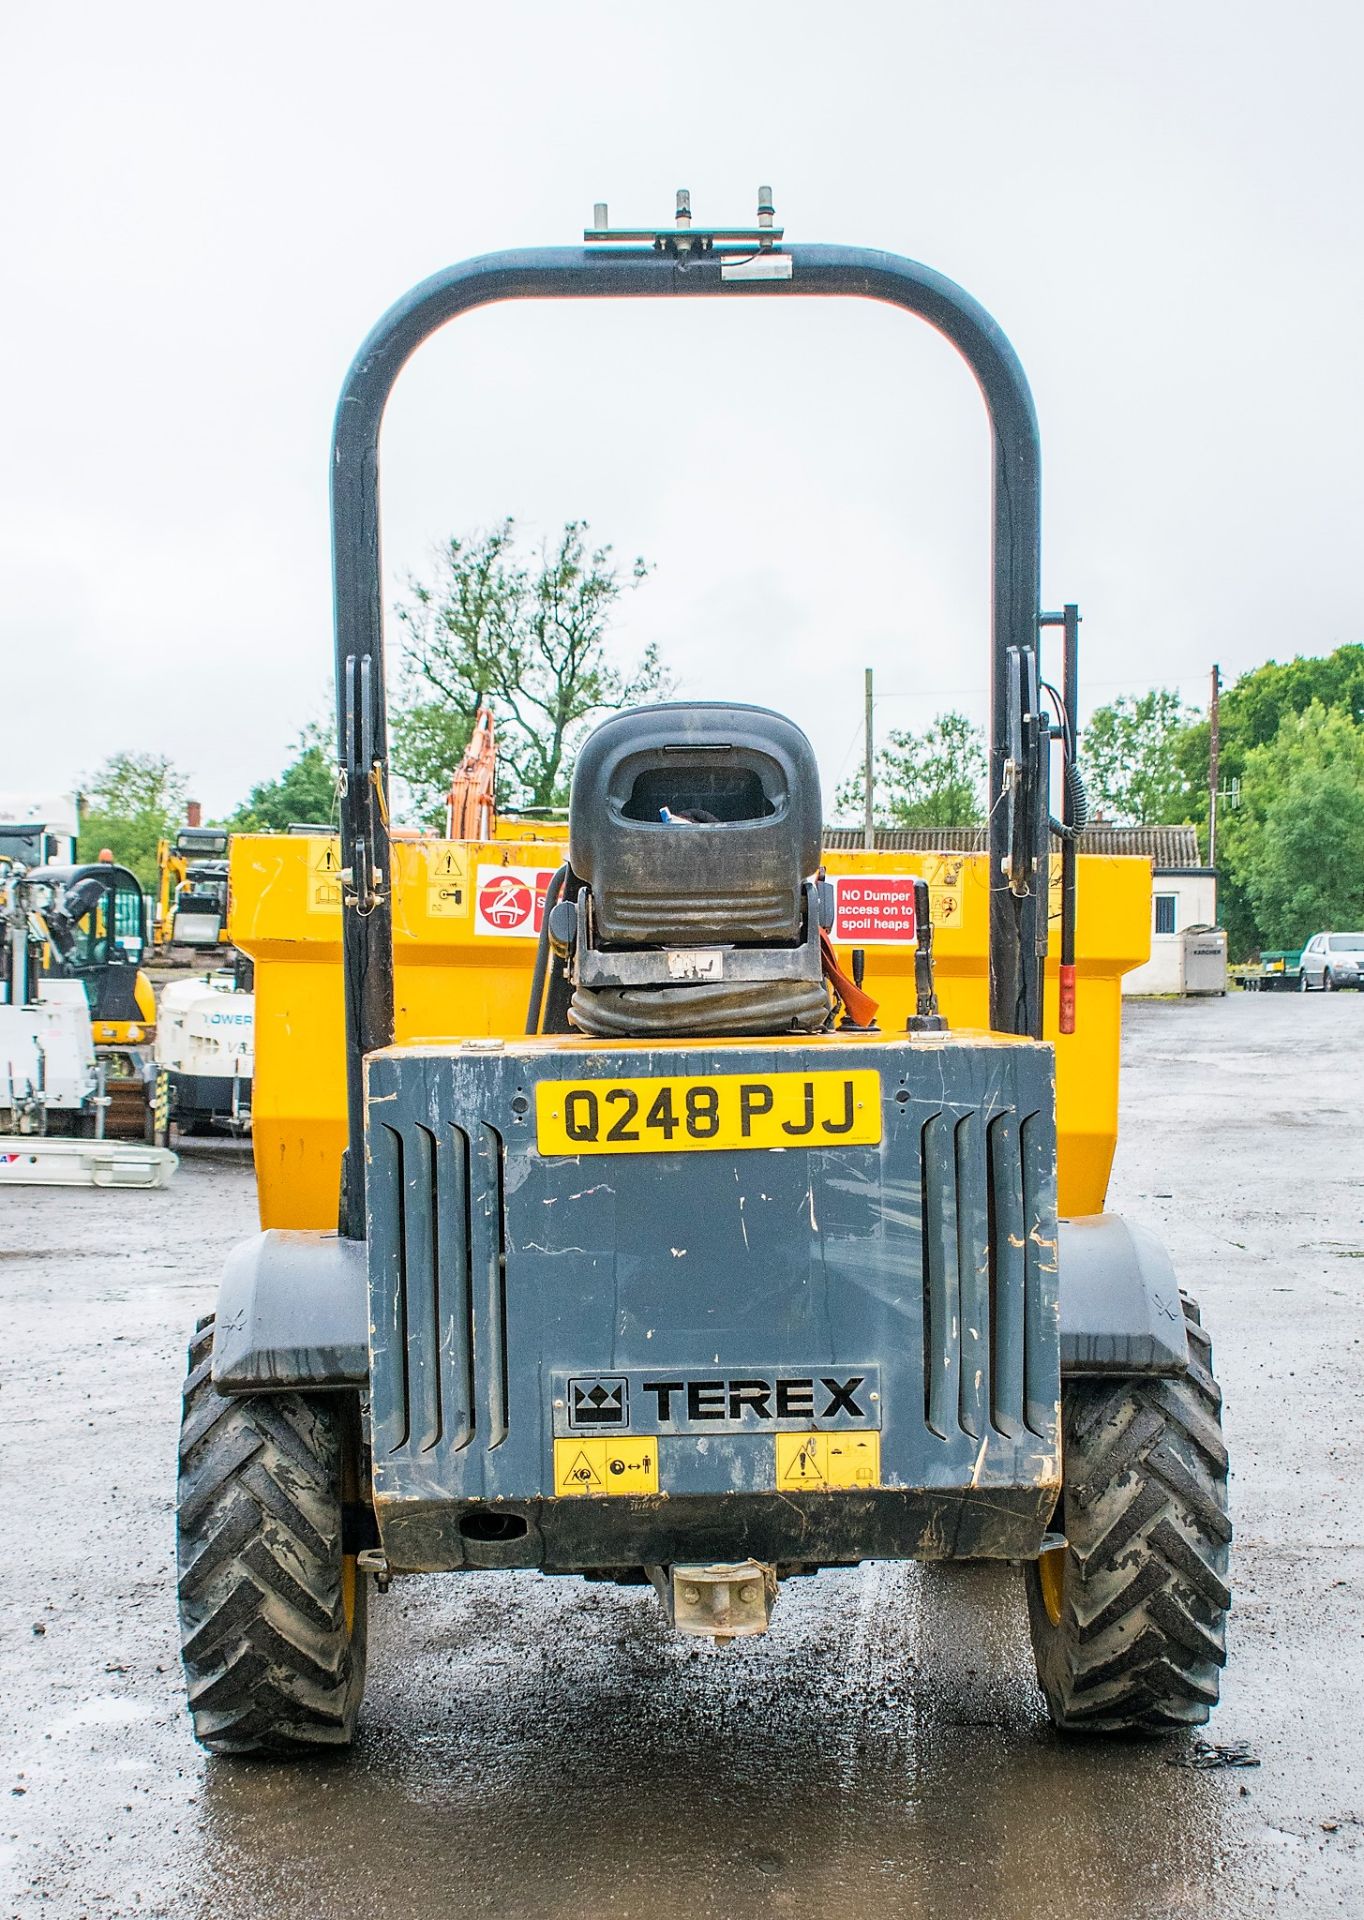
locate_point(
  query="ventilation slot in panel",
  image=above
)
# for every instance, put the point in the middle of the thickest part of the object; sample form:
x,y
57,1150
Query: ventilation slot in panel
x,y
1039,1259
976,1252
488,1259
419,1266
942,1299
1007,1270
454,1253
445,1311
973,1274
393,1179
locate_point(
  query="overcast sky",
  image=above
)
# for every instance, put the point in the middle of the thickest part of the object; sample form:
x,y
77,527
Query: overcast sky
x,y
205,207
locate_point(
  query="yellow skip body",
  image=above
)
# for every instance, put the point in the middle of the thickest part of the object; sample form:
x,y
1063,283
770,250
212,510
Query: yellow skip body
x,y
464,925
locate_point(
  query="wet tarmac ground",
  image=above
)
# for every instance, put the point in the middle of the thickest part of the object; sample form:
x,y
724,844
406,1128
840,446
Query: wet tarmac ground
x,y
545,1748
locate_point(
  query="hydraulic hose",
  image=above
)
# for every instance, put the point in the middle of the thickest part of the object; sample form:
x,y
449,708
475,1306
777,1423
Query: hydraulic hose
x,y
542,952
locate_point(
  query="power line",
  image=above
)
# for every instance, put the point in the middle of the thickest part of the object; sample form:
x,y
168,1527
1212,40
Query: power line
x,y
966,693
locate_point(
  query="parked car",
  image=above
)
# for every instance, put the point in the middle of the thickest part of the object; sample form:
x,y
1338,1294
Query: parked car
x,y
1332,960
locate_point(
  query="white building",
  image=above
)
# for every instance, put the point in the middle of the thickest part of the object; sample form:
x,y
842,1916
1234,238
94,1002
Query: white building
x,y
1188,953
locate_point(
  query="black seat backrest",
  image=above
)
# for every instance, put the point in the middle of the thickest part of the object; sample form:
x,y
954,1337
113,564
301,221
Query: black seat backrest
x,y
736,877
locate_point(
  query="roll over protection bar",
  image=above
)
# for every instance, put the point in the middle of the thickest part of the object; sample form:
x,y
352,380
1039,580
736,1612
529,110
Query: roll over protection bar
x,y
1018,896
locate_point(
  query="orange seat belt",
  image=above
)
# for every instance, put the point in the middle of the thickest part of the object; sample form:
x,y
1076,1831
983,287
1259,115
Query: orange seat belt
x,y
860,1007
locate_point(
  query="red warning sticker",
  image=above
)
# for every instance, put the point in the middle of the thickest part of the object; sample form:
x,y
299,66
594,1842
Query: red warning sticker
x,y
874,910
511,901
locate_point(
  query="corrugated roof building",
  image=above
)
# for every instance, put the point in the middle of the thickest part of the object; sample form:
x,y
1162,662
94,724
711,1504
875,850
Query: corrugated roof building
x,y
1169,849
1184,892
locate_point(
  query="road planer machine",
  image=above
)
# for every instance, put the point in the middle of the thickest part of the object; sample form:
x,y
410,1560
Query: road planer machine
x,y
716,1275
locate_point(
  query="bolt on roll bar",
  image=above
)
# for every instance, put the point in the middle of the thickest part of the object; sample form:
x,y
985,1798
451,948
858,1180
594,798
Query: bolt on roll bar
x,y
681,262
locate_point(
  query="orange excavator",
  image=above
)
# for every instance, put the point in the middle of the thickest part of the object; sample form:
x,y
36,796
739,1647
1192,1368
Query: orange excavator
x,y
471,804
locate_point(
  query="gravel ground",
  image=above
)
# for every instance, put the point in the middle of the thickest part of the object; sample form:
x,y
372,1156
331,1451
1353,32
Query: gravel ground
x,y
541,1747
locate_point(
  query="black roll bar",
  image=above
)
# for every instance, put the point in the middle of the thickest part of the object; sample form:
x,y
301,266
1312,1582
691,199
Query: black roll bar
x,y
1017,908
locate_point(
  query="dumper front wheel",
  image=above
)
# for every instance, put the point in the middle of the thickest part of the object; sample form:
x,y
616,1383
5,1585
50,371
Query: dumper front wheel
x,y
272,1609
1129,1617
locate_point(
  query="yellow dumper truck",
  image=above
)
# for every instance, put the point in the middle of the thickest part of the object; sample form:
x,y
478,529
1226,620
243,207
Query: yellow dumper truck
x,y
609,1227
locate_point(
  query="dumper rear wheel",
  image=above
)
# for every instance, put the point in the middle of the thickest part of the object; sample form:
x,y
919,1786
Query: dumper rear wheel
x,y
272,1609
1129,1618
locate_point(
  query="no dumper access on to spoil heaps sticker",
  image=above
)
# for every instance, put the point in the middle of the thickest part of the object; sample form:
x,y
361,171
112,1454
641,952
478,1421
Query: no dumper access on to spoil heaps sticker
x,y
510,901
874,910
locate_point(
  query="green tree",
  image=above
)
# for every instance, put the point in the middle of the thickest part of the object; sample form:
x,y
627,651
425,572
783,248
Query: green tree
x,y
528,633
931,779
1295,845
134,800
1254,708
1129,754
304,794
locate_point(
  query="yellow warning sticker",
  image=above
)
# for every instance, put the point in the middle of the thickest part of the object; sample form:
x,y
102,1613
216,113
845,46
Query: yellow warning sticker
x,y
324,879
822,1461
447,883
602,1466
943,874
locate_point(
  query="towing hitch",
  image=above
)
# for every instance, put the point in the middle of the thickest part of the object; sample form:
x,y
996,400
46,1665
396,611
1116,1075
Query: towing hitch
x,y
728,1600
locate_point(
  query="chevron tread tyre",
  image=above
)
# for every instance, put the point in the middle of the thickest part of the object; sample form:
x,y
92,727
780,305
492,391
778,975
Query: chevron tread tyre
x,y
1129,1618
272,1612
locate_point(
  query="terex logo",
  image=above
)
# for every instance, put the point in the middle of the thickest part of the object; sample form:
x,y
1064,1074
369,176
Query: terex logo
x,y
761,1401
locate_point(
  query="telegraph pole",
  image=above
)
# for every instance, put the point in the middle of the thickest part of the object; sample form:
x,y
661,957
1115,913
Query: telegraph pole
x,y
868,775
1214,762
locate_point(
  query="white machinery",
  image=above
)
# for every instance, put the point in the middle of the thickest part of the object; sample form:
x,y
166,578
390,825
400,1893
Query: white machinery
x,y
39,829
47,1061
47,1051
83,1163
204,1056
51,1080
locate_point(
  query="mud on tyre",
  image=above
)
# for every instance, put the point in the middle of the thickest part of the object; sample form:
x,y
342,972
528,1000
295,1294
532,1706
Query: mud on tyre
x,y
272,1609
1129,1618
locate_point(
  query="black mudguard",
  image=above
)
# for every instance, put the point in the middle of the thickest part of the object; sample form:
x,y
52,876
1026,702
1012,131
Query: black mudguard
x,y
293,1311
1120,1307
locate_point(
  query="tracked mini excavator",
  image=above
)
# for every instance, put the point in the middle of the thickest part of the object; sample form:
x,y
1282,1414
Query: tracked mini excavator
x,y
717,1274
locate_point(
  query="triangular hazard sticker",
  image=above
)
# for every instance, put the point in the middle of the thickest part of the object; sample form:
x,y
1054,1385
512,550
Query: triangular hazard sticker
x,y
805,1467
328,861
582,1473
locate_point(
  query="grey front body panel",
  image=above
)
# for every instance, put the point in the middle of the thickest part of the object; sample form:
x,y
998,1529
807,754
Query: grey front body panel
x,y
493,1270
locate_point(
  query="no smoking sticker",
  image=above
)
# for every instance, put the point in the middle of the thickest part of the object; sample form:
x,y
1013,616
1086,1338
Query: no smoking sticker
x,y
510,901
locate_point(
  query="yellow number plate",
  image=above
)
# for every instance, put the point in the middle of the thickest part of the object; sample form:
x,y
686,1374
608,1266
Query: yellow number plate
x,y
719,1113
